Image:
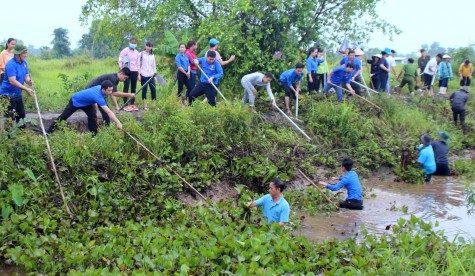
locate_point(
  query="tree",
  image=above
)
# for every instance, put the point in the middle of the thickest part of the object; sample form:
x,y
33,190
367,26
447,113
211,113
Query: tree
x,y
61,42
98,46
253,30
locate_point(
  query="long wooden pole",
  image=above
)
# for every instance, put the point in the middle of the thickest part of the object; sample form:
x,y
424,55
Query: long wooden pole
x,y
168,167
368,101
316,186
51,157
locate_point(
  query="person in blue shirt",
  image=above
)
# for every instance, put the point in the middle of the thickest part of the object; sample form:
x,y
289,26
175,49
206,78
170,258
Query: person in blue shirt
x,y
426,158
288,79
214,72
16,75
338,77
275,208
184,73
88,100
312,67
351,58
350,181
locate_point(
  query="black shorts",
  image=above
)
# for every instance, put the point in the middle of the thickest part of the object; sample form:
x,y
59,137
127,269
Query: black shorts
x,y
354,204
288,92
427,80
466,81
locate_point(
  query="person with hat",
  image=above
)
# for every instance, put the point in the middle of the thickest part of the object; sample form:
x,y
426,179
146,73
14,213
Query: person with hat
x,y
458,100
426,159
213,46
375,63
429,74
441,149
351,58
445,74
385,71
249,82
5,56
16,75
422,61
465,73
409,73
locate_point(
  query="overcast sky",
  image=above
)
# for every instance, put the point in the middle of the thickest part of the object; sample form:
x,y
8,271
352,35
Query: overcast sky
x,y
422,21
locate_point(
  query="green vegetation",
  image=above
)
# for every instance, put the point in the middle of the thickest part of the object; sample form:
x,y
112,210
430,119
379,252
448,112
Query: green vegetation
x,y
128,217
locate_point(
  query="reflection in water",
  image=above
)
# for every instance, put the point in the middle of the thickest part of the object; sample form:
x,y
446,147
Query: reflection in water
x,y
443,200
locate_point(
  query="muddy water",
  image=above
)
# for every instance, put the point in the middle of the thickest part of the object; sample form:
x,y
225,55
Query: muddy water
x,y
443,200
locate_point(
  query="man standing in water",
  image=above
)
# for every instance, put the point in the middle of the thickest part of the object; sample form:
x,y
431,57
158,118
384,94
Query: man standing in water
x,y
426,159
275,207
351,182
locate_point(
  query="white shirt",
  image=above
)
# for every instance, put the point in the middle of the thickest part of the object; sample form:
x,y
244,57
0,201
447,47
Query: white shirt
x,y
248,82
391,61
433,64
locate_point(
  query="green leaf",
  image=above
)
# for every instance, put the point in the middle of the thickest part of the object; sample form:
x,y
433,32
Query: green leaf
x,y
6,211
17,192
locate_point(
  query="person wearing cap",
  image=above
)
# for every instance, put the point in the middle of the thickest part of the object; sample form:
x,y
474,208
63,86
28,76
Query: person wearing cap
x,y
429,74
213,46
339,76
409,73
422,61
445,74
129,57
392,67
465,73
5,56
249,82
385,71
87,100
426,159
213,70
441,149
16,75
288,80
312,67
375,63
350,58
458,100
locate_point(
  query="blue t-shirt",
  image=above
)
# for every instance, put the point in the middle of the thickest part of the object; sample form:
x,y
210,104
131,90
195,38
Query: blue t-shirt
x,y
275,212
339,75
211,70
290,76
182,61
426,157
312,64
352,184
89,96
356,62
14,68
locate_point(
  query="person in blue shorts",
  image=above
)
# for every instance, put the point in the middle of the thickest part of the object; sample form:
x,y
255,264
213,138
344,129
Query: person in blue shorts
x,y
351,182
86,100
275,208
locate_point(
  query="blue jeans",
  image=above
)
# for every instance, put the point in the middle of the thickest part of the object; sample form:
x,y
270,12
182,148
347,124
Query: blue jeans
x,y
339,92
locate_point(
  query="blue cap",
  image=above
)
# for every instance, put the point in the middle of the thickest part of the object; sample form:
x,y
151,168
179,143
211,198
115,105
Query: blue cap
x,y
213,41
387,51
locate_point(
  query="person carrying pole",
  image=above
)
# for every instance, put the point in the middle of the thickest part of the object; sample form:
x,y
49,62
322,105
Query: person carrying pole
x,y
16,75
212,72
337,76
351,58
249,82
430,72
351,182
275,208
287,80
410,77
121,76
375,63
87,100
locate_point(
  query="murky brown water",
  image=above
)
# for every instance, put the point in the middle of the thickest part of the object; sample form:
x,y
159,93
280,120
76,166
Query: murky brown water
x,y
443,200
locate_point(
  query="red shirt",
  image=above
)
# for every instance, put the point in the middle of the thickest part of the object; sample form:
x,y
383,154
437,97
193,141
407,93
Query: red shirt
x,y
191,56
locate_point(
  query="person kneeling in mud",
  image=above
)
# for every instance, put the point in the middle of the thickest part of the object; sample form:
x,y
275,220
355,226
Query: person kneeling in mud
x,y
351,182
